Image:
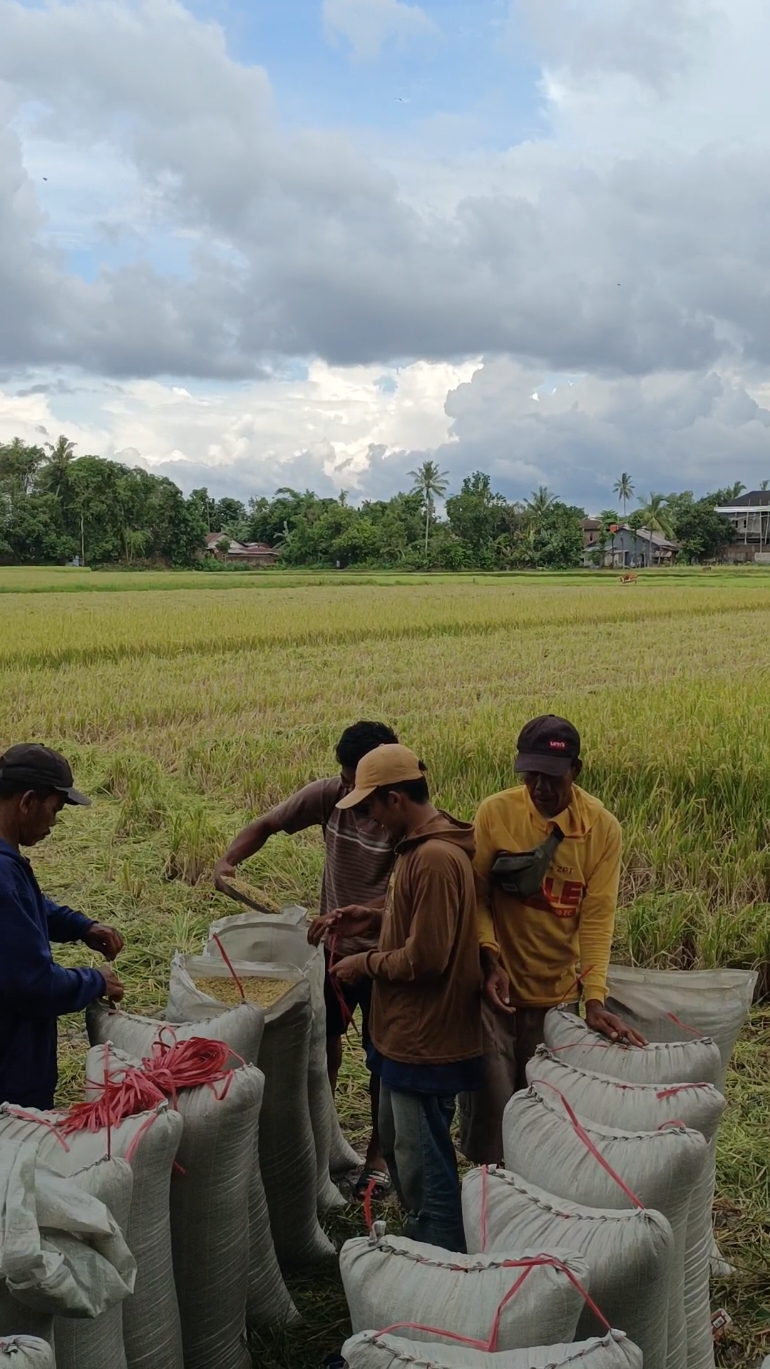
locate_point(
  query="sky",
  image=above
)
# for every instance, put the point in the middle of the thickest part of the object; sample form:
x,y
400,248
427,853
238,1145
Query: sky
x,y
249,244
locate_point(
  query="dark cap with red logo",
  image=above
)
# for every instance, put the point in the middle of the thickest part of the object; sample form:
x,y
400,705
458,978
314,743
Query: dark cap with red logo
x,y
549,744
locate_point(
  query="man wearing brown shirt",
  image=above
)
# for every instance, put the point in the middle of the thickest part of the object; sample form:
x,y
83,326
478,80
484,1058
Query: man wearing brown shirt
x,y
426,1042
358,864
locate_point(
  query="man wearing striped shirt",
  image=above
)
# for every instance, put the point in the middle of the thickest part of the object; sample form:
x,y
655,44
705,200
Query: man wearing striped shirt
x,y
357,868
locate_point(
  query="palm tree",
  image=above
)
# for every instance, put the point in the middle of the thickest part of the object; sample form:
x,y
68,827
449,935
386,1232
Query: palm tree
x,y
540,502
431,484
656,516
624,489
57,465
764,484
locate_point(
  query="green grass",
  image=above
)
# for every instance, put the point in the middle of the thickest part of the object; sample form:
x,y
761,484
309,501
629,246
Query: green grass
x,y
194,704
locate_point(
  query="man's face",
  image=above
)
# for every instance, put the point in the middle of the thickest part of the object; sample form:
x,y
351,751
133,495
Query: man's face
x,y
551,794
388,811
37,817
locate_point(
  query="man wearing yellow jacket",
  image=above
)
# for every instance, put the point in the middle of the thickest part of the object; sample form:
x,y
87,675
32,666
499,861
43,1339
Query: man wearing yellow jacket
x,y
547,869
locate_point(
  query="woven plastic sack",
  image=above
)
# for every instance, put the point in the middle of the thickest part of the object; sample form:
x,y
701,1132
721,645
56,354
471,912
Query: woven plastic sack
x,y
624,1251
599,1166
373,1350
286,1143
693,1061
429,1294
268,1301
209,1209
647,1107
254,938
25,1352
675,1005
151,1329
94,1343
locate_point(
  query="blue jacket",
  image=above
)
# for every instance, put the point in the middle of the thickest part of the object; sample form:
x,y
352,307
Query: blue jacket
x,y
34,990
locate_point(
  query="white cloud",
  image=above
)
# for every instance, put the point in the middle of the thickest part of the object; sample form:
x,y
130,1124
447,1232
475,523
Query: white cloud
x,y
369,24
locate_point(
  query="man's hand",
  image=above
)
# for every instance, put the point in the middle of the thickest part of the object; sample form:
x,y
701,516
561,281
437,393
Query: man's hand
x,y
224,870
353,920
105,940
113,989
497,989
350,969
607,1024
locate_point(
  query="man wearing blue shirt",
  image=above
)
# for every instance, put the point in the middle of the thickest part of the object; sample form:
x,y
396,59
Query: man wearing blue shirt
x,y
35,784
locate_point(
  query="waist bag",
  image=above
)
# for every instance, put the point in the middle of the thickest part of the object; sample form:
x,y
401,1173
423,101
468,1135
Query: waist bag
x,y
521,873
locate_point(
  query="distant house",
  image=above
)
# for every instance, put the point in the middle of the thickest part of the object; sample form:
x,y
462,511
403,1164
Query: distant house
x,y
627,549
749,517
241,553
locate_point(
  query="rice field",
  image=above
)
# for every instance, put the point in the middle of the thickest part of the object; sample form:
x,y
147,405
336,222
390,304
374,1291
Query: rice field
x,y
189,703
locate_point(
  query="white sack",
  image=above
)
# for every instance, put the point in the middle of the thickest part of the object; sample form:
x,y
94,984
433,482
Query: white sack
x,y
372,1350
149,1141
25,1352
624,1251
660,1168
393,1280
714,1003
694,1061
286,1143
268,1301
94,1344
254,938
209,1209
646,1107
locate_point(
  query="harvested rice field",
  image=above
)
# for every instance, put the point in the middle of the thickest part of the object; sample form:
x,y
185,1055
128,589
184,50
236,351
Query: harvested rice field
x,y
189,704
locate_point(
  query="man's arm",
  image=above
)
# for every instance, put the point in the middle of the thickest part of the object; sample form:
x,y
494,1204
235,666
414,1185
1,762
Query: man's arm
x,y
426,952
64,924
496,985
597,923
31,983
309,807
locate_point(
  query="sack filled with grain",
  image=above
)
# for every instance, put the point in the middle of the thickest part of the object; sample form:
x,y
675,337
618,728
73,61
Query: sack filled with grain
x,y
649,1107
507,1301
241,1028
287,1157
149,1142
624,1251
551,1146
676,1062
25,1352
94,1343
251,939
378,1350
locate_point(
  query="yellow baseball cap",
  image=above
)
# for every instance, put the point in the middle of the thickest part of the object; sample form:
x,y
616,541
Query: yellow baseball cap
x,y
388,764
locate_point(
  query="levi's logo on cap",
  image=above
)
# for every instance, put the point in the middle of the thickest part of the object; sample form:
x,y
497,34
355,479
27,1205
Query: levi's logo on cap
x,y
557,746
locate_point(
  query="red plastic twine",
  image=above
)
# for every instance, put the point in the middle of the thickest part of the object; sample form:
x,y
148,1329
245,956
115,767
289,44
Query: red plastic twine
x,y
490,1346
580,1131
347,1015
370,1187
229,964
673,1018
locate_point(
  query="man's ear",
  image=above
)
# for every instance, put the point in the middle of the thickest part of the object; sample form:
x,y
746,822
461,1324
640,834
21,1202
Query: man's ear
x,y
577,767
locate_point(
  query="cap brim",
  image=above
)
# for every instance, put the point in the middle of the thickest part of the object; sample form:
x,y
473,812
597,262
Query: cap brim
x,y
533,763
75,797
355,797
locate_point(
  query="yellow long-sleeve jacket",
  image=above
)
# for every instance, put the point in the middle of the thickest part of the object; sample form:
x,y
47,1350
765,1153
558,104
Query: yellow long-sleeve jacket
x,y
567,926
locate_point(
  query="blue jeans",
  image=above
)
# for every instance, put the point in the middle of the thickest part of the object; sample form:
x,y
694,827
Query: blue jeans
x,y
420,1155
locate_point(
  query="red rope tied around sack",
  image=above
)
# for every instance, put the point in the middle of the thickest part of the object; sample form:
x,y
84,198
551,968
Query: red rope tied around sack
x,y
526,1265
678,1088
347,1016
229,964
582,1134
677,1021
370,1187
39,1122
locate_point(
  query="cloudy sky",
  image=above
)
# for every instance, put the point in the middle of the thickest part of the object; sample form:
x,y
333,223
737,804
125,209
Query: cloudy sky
x,y
251,244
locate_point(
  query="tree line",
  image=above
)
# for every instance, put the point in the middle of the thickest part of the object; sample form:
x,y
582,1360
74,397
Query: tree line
x,y
55,506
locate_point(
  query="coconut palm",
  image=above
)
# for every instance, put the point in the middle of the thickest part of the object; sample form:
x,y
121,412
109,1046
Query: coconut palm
x,y
59,459
540,502
624,489
657,517
431,484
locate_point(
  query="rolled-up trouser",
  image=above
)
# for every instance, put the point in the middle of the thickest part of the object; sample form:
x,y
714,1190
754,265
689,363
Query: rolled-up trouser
x,y
509,1044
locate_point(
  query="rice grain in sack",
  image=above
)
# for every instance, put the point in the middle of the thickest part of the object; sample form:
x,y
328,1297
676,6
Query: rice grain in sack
x,y
647,1107
286,1144
624,1251
268,1301
253,938
429,1294
25,1352
95,1343
149,1141
374,1350
209,1210
601,1166
693,1061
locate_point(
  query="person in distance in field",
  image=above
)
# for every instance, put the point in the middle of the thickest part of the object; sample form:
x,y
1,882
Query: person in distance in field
x,y
35,784
359,860
425,1023
538,925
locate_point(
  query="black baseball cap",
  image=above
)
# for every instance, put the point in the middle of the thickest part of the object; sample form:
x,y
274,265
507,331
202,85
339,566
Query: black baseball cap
x,y
548,744
40,768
